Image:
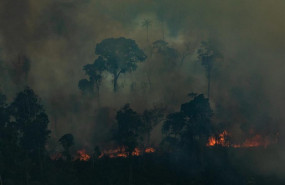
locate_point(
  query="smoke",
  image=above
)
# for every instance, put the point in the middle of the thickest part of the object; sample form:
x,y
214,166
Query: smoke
x,y
59,38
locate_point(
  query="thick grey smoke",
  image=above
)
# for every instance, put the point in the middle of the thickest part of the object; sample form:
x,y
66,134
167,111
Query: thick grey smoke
x,y
59,37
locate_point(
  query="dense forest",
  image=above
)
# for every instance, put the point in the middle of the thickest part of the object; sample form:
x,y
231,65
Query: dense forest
x,y
132,93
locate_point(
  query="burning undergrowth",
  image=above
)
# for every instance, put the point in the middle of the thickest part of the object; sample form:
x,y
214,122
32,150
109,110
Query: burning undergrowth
x,y
117,152
224,139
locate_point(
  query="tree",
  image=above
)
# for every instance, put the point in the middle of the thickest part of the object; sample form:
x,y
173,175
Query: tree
x,y
207,54
169,54
199,114
189,48
96,154
66,142
31,122
94,71
120,55
146,23
127,133
174,124
8,139
150,119
192,124
129,124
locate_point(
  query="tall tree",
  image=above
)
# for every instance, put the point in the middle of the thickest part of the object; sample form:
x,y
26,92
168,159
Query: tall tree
x,y
199,114
120,55
207,54
127,133
146,23
94,71
31,123
129,124
150,119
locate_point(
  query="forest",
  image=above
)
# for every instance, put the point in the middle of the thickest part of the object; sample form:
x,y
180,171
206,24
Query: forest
x,y
141,93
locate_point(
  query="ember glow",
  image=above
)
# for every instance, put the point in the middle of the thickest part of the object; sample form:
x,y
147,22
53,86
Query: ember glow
x,y
220,140
82,155
121,152
255,141
149,150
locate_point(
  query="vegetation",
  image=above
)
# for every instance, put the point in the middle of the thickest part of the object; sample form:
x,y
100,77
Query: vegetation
x,y
183,156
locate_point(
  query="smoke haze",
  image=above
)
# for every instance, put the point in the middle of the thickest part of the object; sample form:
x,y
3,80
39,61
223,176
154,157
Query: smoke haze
x,y
55,39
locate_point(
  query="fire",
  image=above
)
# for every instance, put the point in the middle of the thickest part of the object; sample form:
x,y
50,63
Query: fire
x,y
149,150
255,141
121,152
220,140
82,156
136,152
111,153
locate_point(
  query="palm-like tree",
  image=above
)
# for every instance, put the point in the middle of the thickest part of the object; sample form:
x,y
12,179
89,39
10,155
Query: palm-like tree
x,y
207,54
146,23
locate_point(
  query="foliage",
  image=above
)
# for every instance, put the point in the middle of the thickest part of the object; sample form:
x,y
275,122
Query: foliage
x,y
192,125
208,54
150,118
31,121
67,141
129,124
120,55
94,72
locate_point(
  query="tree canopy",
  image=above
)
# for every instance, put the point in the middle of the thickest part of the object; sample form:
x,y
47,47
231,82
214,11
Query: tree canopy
x,y
120,55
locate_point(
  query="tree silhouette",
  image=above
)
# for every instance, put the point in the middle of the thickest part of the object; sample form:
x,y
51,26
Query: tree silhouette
x,y
94,71
146,23
31,122
174,124
129,124
198,113
150,119
188,50
120,55
169,54
67,141
192,125
207,54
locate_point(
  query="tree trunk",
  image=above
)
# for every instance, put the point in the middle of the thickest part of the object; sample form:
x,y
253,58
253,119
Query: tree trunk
x,y
147,33
209,82
116,83
149,81
97,88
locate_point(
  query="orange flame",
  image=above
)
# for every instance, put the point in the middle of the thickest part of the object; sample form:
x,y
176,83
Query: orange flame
x,y
149,150
220,140
82,156
121,152
255,141
112,153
